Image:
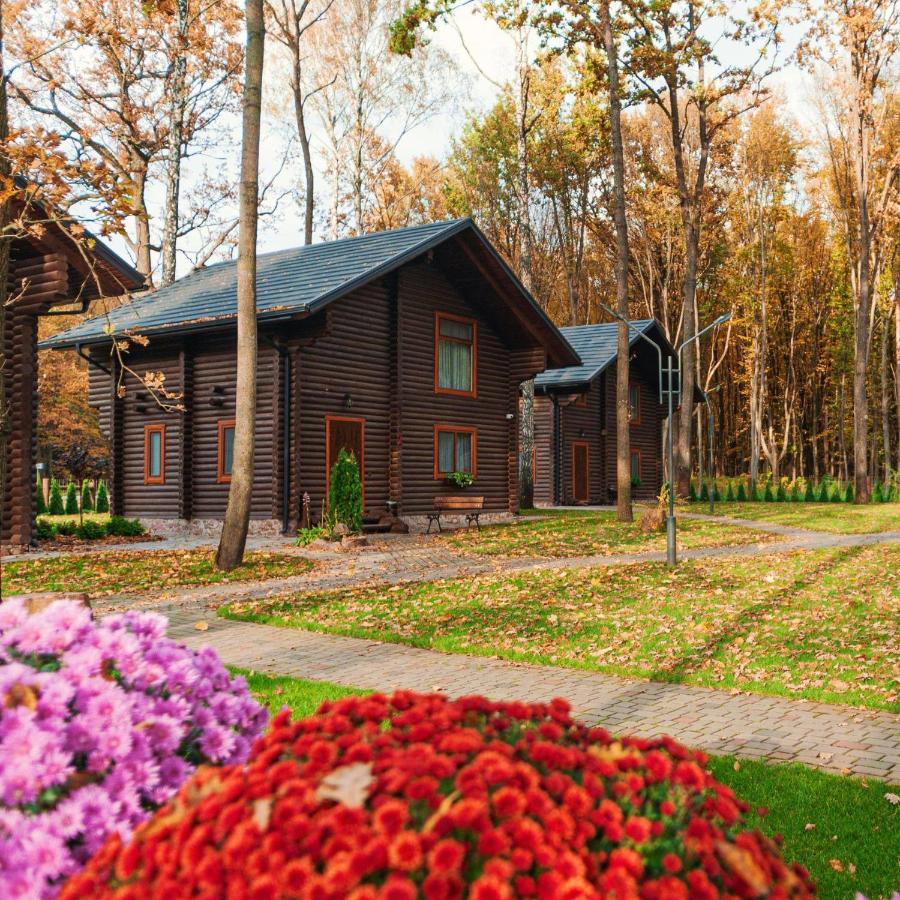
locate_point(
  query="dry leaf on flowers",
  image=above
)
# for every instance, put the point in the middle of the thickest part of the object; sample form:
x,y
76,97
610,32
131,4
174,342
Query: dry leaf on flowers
x,y
348,785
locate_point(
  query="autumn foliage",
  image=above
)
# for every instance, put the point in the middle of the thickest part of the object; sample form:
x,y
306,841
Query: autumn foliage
x,y
412,795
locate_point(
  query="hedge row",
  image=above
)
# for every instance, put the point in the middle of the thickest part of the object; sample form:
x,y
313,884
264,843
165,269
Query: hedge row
x,y
90,529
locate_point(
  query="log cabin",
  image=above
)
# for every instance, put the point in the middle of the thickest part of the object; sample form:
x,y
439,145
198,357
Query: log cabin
x,y
407,347
575,418
51,265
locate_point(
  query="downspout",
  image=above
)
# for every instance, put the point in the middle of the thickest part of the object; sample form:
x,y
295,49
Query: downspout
x,y
285,356
557,453
91,361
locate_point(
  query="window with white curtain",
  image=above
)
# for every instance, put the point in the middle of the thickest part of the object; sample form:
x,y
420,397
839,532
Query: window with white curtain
x,y
455,349
454,450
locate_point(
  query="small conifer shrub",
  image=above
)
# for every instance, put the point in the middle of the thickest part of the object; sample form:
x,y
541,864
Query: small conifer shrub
x,y
55,507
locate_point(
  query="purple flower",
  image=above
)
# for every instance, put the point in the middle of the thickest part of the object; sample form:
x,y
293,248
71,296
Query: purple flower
x,y
124,737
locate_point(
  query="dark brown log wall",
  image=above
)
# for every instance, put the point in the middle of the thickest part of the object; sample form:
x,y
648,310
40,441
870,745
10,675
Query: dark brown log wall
x,y
424,290
583,423
646,435
348,364
544,461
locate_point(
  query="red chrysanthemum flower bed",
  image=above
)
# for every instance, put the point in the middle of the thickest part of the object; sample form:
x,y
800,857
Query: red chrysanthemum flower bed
x,y
420,796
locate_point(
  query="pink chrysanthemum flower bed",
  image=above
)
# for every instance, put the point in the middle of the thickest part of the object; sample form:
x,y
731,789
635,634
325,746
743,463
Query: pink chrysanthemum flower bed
x,y
100,724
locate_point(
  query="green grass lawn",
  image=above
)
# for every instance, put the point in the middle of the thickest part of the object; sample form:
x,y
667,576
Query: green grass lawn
x,y
839,518
856,830
562,533
125,572
821,625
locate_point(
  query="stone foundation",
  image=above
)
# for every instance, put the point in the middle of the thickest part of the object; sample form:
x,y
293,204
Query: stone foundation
x,y
449,521
208,527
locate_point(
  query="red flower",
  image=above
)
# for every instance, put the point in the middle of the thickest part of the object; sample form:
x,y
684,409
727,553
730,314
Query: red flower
x,y
489,888
671,863
398,887
391,816
508,802
637,829
446,856
405,851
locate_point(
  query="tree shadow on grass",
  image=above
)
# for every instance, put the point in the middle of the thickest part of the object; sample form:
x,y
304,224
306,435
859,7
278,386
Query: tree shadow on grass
x,y
750,616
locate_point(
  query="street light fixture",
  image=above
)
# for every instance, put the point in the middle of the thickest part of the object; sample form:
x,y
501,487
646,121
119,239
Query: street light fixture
x,y
670,391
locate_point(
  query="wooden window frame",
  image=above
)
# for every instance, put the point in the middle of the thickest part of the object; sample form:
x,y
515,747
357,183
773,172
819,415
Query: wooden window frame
x,y
636,451
361,462
587,469
465,320
454,429
223,477
160,429
634,419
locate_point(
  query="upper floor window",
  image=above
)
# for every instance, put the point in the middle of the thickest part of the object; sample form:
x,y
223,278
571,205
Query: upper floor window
x,y
455,351
154,454
226,449
634,402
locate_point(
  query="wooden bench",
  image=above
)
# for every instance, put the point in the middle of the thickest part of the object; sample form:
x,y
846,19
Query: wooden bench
x,y
472,506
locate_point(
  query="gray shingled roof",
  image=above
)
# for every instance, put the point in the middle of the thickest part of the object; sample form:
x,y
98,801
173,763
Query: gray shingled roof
x,y
596,345
288,282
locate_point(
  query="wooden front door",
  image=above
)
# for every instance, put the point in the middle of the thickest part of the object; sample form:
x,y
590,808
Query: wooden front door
x,y
344,433
580,489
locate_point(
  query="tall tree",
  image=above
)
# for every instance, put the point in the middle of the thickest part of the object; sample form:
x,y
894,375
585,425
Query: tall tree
x,y
865,33
678,71
289,22
237,514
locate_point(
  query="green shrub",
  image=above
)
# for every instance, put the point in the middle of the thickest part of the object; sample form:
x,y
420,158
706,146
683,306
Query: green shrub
x,y
45,530
55,507
71,500
877,496
741,494
40,508
823,496
768,496
67,527
122,527
810,495
729,493
306,536
781,493
91,530
102,498
87,502
692,492
848,493
794,496
345,492
704,492
837,496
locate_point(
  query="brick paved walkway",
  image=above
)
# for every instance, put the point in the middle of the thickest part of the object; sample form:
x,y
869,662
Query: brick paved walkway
x,y
839,739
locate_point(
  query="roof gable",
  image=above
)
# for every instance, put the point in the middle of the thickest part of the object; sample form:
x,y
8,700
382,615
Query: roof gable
x,y
597,345
289,282
296,282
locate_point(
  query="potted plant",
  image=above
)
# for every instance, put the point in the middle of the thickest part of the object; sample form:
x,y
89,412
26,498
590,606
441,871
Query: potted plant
x,y
460,480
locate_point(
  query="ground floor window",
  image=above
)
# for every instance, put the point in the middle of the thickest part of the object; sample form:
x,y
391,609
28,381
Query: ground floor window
x,y
635,464
154,454
455,450
225,450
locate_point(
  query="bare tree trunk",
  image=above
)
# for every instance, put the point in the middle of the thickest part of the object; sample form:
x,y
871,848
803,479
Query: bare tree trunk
x,y
5,170
885,396
308,174
237,514
141,219
897,357
624,511
178,107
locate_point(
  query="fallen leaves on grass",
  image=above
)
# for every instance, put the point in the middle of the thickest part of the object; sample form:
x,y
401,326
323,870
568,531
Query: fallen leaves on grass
x,y
591,533
99,574
791,624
